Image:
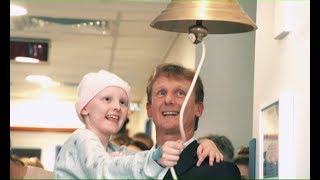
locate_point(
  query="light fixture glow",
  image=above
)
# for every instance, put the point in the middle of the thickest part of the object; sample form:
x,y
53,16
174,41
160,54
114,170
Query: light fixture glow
x,y
16,10
26,59
44,81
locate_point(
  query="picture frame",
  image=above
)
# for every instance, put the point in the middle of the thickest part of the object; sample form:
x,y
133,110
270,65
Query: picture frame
x,y
276,138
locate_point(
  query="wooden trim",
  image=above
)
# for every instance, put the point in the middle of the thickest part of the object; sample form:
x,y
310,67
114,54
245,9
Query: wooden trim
x,y
41,129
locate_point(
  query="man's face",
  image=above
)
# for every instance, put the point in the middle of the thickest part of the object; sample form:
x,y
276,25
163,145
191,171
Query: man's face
x,y
168,94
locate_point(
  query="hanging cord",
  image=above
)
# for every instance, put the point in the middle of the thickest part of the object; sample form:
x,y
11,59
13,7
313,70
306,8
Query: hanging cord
x,y
183,135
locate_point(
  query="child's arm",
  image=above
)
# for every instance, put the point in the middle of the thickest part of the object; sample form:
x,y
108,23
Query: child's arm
x,y
100,164
208,148
95,163
140,165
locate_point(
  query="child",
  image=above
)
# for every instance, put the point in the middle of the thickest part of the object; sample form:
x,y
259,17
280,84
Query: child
x,y
102,105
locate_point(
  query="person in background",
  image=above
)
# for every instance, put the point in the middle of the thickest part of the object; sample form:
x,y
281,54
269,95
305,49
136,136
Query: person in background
x,y
102,105
31,161
167,88
272,153
120,139
242,161
123,129
137,146
144,138
18,170
223,143
270,162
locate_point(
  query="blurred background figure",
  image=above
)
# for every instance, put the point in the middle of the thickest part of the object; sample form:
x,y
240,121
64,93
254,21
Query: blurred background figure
x,y
242,161
19,170
124,129
224,145
31,161
272,153
137,146
144,138
120,139
270,163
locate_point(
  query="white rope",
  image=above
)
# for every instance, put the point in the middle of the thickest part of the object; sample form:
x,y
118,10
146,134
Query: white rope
x,y
183,135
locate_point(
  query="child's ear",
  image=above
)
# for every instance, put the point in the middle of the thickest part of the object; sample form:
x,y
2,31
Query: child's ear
x,y
84,112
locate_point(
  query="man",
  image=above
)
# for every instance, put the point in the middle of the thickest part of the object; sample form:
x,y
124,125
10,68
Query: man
x,y
167,88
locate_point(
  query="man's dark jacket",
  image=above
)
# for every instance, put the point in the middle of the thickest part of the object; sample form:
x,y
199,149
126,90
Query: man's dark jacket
x,y
186,167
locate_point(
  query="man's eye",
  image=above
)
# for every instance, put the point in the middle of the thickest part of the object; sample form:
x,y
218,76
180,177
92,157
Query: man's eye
x,y
107,99
161,93
181,94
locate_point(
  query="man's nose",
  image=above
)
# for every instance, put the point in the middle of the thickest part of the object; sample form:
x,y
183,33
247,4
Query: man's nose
x,y
169,99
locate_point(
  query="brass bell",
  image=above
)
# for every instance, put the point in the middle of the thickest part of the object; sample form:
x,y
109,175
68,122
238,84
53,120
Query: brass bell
x,y
207,17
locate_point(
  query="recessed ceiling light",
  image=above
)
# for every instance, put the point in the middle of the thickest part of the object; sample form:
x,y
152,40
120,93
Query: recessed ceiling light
x,y
16,10
26,59
44,81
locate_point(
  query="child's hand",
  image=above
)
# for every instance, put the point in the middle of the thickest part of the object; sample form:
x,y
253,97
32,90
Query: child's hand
x,y
171,151
208,148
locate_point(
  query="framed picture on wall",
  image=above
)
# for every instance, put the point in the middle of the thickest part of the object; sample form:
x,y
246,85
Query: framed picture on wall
x,y
276,138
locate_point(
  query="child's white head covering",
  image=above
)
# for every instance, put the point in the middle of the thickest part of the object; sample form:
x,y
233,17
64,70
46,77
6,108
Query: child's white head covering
x,y
94,82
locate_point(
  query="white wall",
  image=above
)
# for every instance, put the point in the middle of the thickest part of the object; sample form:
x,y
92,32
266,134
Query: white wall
x,y
47,112
283,66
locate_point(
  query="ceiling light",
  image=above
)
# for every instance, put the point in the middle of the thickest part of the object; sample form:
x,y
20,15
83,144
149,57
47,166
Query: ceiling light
x,y
44,81
16,10
26,59
67,25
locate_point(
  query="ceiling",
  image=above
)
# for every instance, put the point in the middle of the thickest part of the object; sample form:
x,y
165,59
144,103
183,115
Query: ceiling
x,y
125,45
